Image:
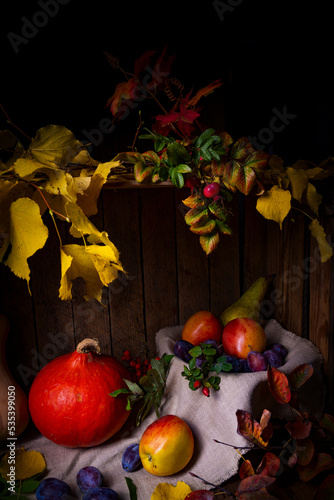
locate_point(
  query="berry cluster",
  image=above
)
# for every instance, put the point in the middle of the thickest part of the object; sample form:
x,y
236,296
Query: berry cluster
x,y
209,357
136,366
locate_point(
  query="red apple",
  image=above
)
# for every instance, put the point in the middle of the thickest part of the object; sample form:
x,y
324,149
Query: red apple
x,y
242,335
166,446
202,326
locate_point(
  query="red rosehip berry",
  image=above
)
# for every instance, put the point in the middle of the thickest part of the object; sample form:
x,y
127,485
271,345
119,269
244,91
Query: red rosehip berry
x,y
197,384
206,391
192,182
211,190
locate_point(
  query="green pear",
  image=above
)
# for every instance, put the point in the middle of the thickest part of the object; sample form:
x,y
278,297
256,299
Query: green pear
x,y
249,304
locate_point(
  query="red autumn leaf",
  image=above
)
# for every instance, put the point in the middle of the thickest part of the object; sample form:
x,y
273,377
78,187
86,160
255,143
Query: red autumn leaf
x,y
246,469
204,92
269,465
299,427
124,91
305,451
278,385
255,483
319,463
182,119
143,62
200,495
256,495
249,428
266,426
326,489
300,375
162,69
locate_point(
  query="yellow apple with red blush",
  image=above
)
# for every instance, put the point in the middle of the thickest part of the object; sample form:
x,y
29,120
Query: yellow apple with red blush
x,y
242,335
202,326
166,446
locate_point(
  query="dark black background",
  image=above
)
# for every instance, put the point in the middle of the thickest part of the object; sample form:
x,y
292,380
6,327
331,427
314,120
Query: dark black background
x,y
269,54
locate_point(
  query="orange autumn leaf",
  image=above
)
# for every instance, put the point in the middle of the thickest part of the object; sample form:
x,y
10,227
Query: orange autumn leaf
x,y
249,428
204,92
123,92
278,385
246,469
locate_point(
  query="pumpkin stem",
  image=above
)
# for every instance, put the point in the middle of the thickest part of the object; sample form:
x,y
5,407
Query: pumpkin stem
x,y
88,345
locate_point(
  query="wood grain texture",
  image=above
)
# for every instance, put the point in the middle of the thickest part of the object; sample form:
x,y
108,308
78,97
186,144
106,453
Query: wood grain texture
x,y
321,303
158,261
225,267
125,295
292,279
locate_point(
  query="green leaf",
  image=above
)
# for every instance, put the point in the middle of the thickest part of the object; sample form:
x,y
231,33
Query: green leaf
x,y
239,175
28,486
204,226
195,214
134,388
242,149
195,351
192,363
177,178
209,242
177,153
114,394
203,137
132,488
183,169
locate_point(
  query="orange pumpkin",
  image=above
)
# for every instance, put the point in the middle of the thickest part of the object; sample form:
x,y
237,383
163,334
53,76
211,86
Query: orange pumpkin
x,y
70,402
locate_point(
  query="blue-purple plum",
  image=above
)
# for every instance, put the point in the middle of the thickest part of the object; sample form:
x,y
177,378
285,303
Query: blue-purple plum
x,y
244,366
51,488
131,460
88,478
101,493
279,348
235,362
256,361
181,350
273,358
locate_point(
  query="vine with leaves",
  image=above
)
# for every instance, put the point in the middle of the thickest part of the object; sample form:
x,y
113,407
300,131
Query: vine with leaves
x,y
55,173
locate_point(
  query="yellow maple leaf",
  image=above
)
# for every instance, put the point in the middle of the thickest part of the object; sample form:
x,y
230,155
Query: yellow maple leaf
x,y
81,225
27,235
27,464
93,263
87,199
54,145
299,182
326,251
313,198
274,204
167,491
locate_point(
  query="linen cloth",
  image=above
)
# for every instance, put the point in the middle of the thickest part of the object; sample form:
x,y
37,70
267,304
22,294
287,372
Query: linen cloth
x,y
209,418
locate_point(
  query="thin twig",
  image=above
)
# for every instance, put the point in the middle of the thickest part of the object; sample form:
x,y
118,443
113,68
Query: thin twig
x,y
12,123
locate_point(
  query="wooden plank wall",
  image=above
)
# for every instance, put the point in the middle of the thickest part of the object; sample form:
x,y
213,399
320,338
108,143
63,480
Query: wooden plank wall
x,y
169,278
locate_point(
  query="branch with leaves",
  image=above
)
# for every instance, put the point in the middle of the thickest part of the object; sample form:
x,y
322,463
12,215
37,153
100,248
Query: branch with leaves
x,y
55,174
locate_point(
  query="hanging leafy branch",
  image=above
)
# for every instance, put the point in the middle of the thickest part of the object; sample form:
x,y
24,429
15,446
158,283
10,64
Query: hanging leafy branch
x,y
187,153
55,174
